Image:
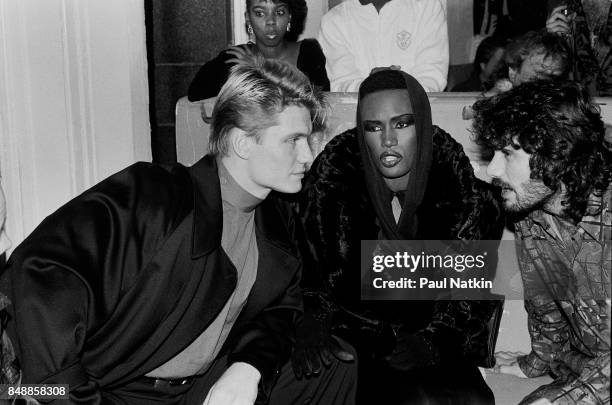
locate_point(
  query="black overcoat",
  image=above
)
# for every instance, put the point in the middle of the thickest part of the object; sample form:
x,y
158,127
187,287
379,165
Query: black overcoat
x,y
123,277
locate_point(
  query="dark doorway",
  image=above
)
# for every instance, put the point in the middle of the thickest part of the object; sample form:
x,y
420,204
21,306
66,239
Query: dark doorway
x,y
181,36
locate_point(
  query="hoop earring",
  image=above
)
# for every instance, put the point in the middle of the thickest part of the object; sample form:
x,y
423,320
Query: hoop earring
x,y
289,26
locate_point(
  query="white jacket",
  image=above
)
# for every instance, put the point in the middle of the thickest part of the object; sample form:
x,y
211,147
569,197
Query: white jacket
x,y
409,33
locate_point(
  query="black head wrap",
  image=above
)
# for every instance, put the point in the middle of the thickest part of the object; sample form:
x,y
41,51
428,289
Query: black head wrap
x,y
378,191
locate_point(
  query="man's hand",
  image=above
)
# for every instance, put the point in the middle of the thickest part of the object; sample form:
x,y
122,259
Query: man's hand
x,y
237,386
559,22
315,347
507,363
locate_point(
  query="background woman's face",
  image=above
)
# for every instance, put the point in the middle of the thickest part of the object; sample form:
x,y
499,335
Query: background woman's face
x,y
269,20
388,124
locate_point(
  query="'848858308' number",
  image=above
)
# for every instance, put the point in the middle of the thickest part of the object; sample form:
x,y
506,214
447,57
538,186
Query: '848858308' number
x,y
37,391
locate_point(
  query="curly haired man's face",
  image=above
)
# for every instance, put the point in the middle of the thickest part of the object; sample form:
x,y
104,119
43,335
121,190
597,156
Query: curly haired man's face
x,y
510,170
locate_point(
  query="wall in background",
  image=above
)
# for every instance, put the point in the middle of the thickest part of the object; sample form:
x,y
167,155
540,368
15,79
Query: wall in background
x,y
460,17
182,35
316,9
73,100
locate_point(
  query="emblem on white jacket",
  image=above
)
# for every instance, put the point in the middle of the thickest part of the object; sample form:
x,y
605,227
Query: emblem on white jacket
x,y
403,39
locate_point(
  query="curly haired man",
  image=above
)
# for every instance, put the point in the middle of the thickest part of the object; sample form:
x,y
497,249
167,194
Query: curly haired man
x,y
555,172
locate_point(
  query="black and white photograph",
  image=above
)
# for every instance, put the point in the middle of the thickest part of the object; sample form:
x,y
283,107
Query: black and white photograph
x,y
305,202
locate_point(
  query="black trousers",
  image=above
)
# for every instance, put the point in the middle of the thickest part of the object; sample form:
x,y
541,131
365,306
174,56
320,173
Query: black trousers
x,y
446,384
336,385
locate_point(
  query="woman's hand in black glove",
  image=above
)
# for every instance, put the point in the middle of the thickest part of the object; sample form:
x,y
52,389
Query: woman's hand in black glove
x,y
315,346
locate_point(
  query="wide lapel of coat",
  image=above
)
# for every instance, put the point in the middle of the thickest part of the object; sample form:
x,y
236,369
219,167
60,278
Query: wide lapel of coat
x,y
208,212
278,259
212,279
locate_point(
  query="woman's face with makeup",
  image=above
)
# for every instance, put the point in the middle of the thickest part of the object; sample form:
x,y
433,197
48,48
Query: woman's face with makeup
x,y
388,125
269,20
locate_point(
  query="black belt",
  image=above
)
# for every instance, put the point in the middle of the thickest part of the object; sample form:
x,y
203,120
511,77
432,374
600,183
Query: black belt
x,y
168,382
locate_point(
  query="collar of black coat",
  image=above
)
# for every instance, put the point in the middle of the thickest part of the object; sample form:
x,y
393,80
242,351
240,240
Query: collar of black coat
x,y
270,219
233,193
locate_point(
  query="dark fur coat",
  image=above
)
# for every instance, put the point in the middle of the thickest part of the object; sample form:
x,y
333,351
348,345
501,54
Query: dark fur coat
x,y
337,213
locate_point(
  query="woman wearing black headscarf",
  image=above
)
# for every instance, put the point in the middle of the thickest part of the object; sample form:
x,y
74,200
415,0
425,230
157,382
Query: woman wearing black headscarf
x,y
394,177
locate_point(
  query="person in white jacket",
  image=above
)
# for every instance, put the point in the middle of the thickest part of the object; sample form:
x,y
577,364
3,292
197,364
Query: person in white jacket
x,y
358,36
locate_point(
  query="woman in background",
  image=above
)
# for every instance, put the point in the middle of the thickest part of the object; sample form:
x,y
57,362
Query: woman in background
x,y
273,27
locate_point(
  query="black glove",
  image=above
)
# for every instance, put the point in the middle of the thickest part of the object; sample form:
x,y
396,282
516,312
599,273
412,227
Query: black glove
x,y
412,351
315,345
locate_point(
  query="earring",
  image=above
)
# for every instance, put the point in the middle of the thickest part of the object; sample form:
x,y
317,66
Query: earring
x,y
250,30
289,26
